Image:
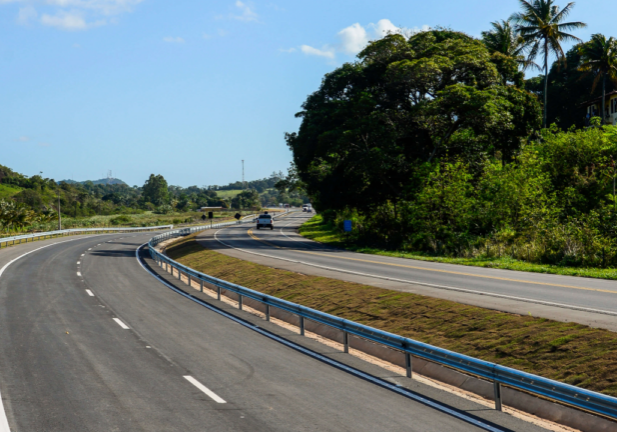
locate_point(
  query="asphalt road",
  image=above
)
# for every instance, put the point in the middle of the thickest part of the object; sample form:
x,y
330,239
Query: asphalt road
x,y
583,300
91,341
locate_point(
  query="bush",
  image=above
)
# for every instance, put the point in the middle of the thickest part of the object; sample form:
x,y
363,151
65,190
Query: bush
x,y
121,220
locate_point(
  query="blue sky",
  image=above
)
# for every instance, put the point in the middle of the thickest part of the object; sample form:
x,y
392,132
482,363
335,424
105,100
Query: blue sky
x,y
189,88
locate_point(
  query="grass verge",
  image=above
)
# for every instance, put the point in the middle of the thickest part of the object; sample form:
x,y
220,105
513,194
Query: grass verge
x,y
316,229
568,352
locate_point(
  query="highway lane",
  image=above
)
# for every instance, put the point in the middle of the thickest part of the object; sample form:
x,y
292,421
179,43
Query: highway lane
x,y
92,342
566,298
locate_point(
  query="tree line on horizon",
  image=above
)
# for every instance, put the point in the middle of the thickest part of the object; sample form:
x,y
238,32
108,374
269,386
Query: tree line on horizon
x,y
28,203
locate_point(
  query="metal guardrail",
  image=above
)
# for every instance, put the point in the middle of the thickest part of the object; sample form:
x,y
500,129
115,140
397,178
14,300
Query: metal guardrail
x,y
26,237
555,390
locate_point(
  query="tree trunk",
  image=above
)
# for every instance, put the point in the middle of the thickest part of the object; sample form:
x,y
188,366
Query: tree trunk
x,y
603,98
545,78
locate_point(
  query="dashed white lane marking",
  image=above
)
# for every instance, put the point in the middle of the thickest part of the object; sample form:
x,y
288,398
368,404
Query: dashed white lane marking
x,y
79,274
83,254
78,262
89,248
98,244
4,422
216,398
90,293
121,324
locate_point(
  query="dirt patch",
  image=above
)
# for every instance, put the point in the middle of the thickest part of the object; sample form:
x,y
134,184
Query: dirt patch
x,y
567,352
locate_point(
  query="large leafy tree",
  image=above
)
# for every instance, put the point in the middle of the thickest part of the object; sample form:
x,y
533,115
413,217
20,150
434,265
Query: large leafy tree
x,y
155,190
370,131
599,56
542,27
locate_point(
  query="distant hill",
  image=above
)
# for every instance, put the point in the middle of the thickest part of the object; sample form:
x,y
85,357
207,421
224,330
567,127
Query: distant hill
x,y
112,181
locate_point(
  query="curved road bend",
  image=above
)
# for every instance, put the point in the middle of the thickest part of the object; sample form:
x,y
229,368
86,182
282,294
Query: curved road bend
x,y
564,298
90,341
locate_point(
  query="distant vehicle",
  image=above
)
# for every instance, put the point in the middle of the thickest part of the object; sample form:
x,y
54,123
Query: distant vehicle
x,y
265,220
307,208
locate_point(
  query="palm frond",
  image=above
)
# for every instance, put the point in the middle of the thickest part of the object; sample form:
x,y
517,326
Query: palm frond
x,y
558,16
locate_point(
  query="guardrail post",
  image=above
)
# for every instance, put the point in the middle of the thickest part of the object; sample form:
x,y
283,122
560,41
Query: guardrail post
x,y
267,312
179,275
301,326
346,342
497,388
189,279
218,293
201,285
239,302
408,365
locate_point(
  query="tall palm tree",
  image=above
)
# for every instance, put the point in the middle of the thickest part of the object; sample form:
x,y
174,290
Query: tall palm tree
x,y
541,26
504,39
599,56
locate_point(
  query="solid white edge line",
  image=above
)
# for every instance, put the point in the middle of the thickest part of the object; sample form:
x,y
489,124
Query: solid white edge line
x,y
90,293
216,398
444,287
4,422
121,324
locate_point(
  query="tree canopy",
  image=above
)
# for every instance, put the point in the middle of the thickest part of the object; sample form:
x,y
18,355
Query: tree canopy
x,y
373,125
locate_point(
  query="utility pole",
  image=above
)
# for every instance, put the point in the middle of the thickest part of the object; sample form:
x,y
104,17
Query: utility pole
x,y
59,215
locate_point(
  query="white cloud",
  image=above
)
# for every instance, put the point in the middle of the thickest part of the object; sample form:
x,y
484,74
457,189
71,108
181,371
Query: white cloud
x,y
23,139
356,37
26,14
69,21
248,14
383,28
288,50
353,39
325,52
73,14
172,39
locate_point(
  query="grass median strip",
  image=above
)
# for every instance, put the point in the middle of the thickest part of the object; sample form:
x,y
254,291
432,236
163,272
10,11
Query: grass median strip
x,y
568,352
315,229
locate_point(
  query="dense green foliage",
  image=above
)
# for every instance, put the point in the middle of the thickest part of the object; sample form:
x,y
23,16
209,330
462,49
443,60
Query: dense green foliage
x,y
568,89
425,148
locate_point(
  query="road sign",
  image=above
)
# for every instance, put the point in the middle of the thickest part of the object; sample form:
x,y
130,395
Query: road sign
x,y
238,216
210,215
347,225
203,217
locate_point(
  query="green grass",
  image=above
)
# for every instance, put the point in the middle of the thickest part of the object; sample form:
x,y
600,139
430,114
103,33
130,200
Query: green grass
x,y
316,229
144,219
7,191
568,352
228,193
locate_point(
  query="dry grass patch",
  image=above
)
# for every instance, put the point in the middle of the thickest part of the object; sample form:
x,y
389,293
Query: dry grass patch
x,y
568,352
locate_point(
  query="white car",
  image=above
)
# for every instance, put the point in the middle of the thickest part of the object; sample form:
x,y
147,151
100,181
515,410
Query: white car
x,y
265,220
